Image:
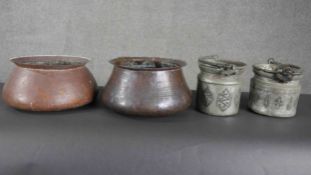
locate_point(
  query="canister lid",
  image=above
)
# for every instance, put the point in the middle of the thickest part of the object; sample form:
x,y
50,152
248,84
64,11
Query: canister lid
x,y
213,64
278,71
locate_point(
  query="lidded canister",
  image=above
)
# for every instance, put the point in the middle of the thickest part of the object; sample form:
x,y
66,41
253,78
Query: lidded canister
x,y
219,86
275,89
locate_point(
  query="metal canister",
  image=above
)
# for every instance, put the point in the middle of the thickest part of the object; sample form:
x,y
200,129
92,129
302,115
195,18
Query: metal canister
x,y
219,86
275,89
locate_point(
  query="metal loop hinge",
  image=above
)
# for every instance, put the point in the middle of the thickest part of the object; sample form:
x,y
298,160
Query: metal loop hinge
x,y
228,69
283,72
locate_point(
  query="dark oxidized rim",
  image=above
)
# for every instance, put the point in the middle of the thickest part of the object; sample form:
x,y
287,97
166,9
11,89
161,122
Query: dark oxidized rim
x,y
50,61
120,62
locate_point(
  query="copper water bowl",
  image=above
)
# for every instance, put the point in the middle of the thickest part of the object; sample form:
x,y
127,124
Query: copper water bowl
x,y
49,83
147,86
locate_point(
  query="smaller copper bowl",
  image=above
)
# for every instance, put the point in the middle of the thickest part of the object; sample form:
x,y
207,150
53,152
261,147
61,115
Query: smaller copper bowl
x,y
49,83
147,86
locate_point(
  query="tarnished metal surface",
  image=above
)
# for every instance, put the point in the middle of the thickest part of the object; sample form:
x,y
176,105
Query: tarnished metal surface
x,y
147,87
275,89
49,83
219,86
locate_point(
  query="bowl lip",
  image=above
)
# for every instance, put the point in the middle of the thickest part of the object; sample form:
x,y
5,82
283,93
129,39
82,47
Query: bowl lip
x,y
179,63
18,61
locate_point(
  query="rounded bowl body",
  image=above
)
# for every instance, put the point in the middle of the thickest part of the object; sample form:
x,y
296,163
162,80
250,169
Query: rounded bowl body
x,y
153,91
49,83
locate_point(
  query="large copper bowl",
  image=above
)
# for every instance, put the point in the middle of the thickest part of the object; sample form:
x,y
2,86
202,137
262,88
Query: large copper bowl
x,y
145,86
49,83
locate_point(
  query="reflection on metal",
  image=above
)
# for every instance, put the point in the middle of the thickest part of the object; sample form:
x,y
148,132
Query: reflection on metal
x,y
219,86
49,83
275,89
144,86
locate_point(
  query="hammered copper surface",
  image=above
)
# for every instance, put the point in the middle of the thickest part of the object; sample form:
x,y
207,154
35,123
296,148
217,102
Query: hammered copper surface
x,y
49,83
152,87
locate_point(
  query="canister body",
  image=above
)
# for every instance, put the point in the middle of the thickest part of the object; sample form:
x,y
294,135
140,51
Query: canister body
x,y
218,95
272,98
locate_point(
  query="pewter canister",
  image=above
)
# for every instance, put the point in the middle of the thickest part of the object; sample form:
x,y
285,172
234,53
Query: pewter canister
x,y
275,89
219,86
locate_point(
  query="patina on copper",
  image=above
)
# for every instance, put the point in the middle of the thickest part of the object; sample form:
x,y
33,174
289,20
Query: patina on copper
x,y
49,83
147,86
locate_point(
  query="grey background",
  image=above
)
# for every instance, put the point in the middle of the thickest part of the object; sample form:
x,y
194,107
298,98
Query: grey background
x,y
245,30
